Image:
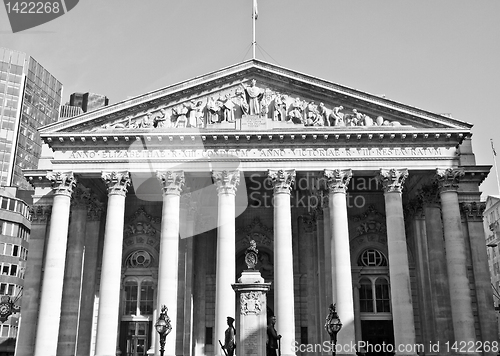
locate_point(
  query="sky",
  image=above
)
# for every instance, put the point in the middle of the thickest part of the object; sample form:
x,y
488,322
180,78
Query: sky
x,y
441,56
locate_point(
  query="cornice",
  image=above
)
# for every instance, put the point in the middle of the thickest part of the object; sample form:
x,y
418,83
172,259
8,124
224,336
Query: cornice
x,y
353,136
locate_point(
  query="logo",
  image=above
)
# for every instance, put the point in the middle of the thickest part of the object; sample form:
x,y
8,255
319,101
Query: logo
x,y
24,15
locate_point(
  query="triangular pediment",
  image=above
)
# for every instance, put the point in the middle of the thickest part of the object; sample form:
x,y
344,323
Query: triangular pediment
x,y
254,96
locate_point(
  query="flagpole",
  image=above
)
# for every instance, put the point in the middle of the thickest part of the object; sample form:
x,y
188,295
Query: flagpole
x,y
254,8
495,164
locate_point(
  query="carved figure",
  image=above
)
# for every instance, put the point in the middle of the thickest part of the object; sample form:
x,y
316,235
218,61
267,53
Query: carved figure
x,y
254,95
194,112
162,120
265,102
296,112
227,108
337,117
242,101
229,337
323,113
251,255
213,110
272,338
181,112
279,112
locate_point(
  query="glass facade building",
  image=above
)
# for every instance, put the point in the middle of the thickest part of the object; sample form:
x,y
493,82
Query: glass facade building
x,y
30,97
88,101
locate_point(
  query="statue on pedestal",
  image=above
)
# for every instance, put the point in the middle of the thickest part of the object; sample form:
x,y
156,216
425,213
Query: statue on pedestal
x,y
254,95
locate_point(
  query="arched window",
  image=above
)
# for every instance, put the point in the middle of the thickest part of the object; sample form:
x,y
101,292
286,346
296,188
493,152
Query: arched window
x,y
130,307
138,297
382,295
370,287
366,295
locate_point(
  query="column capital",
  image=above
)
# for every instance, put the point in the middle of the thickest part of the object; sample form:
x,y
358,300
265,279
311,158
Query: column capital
x,y
447,179
40,214
283,180
337,180
81,196
95,208
171,181
473,210
116,182
392,180
62,182
429,194
226,181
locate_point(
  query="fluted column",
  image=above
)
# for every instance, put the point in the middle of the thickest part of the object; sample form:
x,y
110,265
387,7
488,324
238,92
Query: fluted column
x,y
402,310
55,258
456,258
337,181
70,307
109,291
284,307
225,300
172,183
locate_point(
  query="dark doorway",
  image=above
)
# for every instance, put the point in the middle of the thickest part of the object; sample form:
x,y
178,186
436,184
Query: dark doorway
x,y
377,333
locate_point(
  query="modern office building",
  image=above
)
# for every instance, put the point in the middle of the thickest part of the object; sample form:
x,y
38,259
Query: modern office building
x,y
67,110
350,198
15,228
88,101
30,97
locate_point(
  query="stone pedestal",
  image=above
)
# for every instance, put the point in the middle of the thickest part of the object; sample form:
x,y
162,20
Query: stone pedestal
x,y
251,315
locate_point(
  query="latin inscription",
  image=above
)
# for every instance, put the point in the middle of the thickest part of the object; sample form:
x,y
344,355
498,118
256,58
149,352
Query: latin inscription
x,y
260,153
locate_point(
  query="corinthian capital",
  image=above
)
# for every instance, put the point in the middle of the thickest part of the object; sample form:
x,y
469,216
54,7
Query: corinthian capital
x,y
337,180
282,180
392,180
62,182
448,178
116,182
171,181
226,181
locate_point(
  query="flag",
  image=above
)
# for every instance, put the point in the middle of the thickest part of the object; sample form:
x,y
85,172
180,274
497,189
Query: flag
x,y
493,148
255,13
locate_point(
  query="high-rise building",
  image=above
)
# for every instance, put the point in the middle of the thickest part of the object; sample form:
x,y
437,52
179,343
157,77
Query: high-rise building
x,y
88,101
69,111
29,98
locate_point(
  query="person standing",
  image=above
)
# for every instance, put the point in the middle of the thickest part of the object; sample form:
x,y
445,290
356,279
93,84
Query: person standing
x,y
272,338
230,334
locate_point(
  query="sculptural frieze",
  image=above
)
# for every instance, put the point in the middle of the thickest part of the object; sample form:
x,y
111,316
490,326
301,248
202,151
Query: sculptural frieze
x,y
244,102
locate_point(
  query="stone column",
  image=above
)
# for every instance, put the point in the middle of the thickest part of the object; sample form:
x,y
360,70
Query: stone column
x,y
225,304
473,212
109,291
70,308
402,310
283,259
337,181
55,258
461,303
172,182
440,290
94,212
40,216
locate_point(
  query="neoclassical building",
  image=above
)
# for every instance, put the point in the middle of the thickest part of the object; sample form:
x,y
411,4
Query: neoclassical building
x,y
351,198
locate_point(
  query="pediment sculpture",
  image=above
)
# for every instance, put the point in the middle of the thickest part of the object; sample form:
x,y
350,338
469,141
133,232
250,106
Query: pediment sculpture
x,y
246,102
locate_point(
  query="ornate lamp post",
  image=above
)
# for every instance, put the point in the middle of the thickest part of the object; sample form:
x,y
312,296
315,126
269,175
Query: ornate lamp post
x,y
163,327
333,326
